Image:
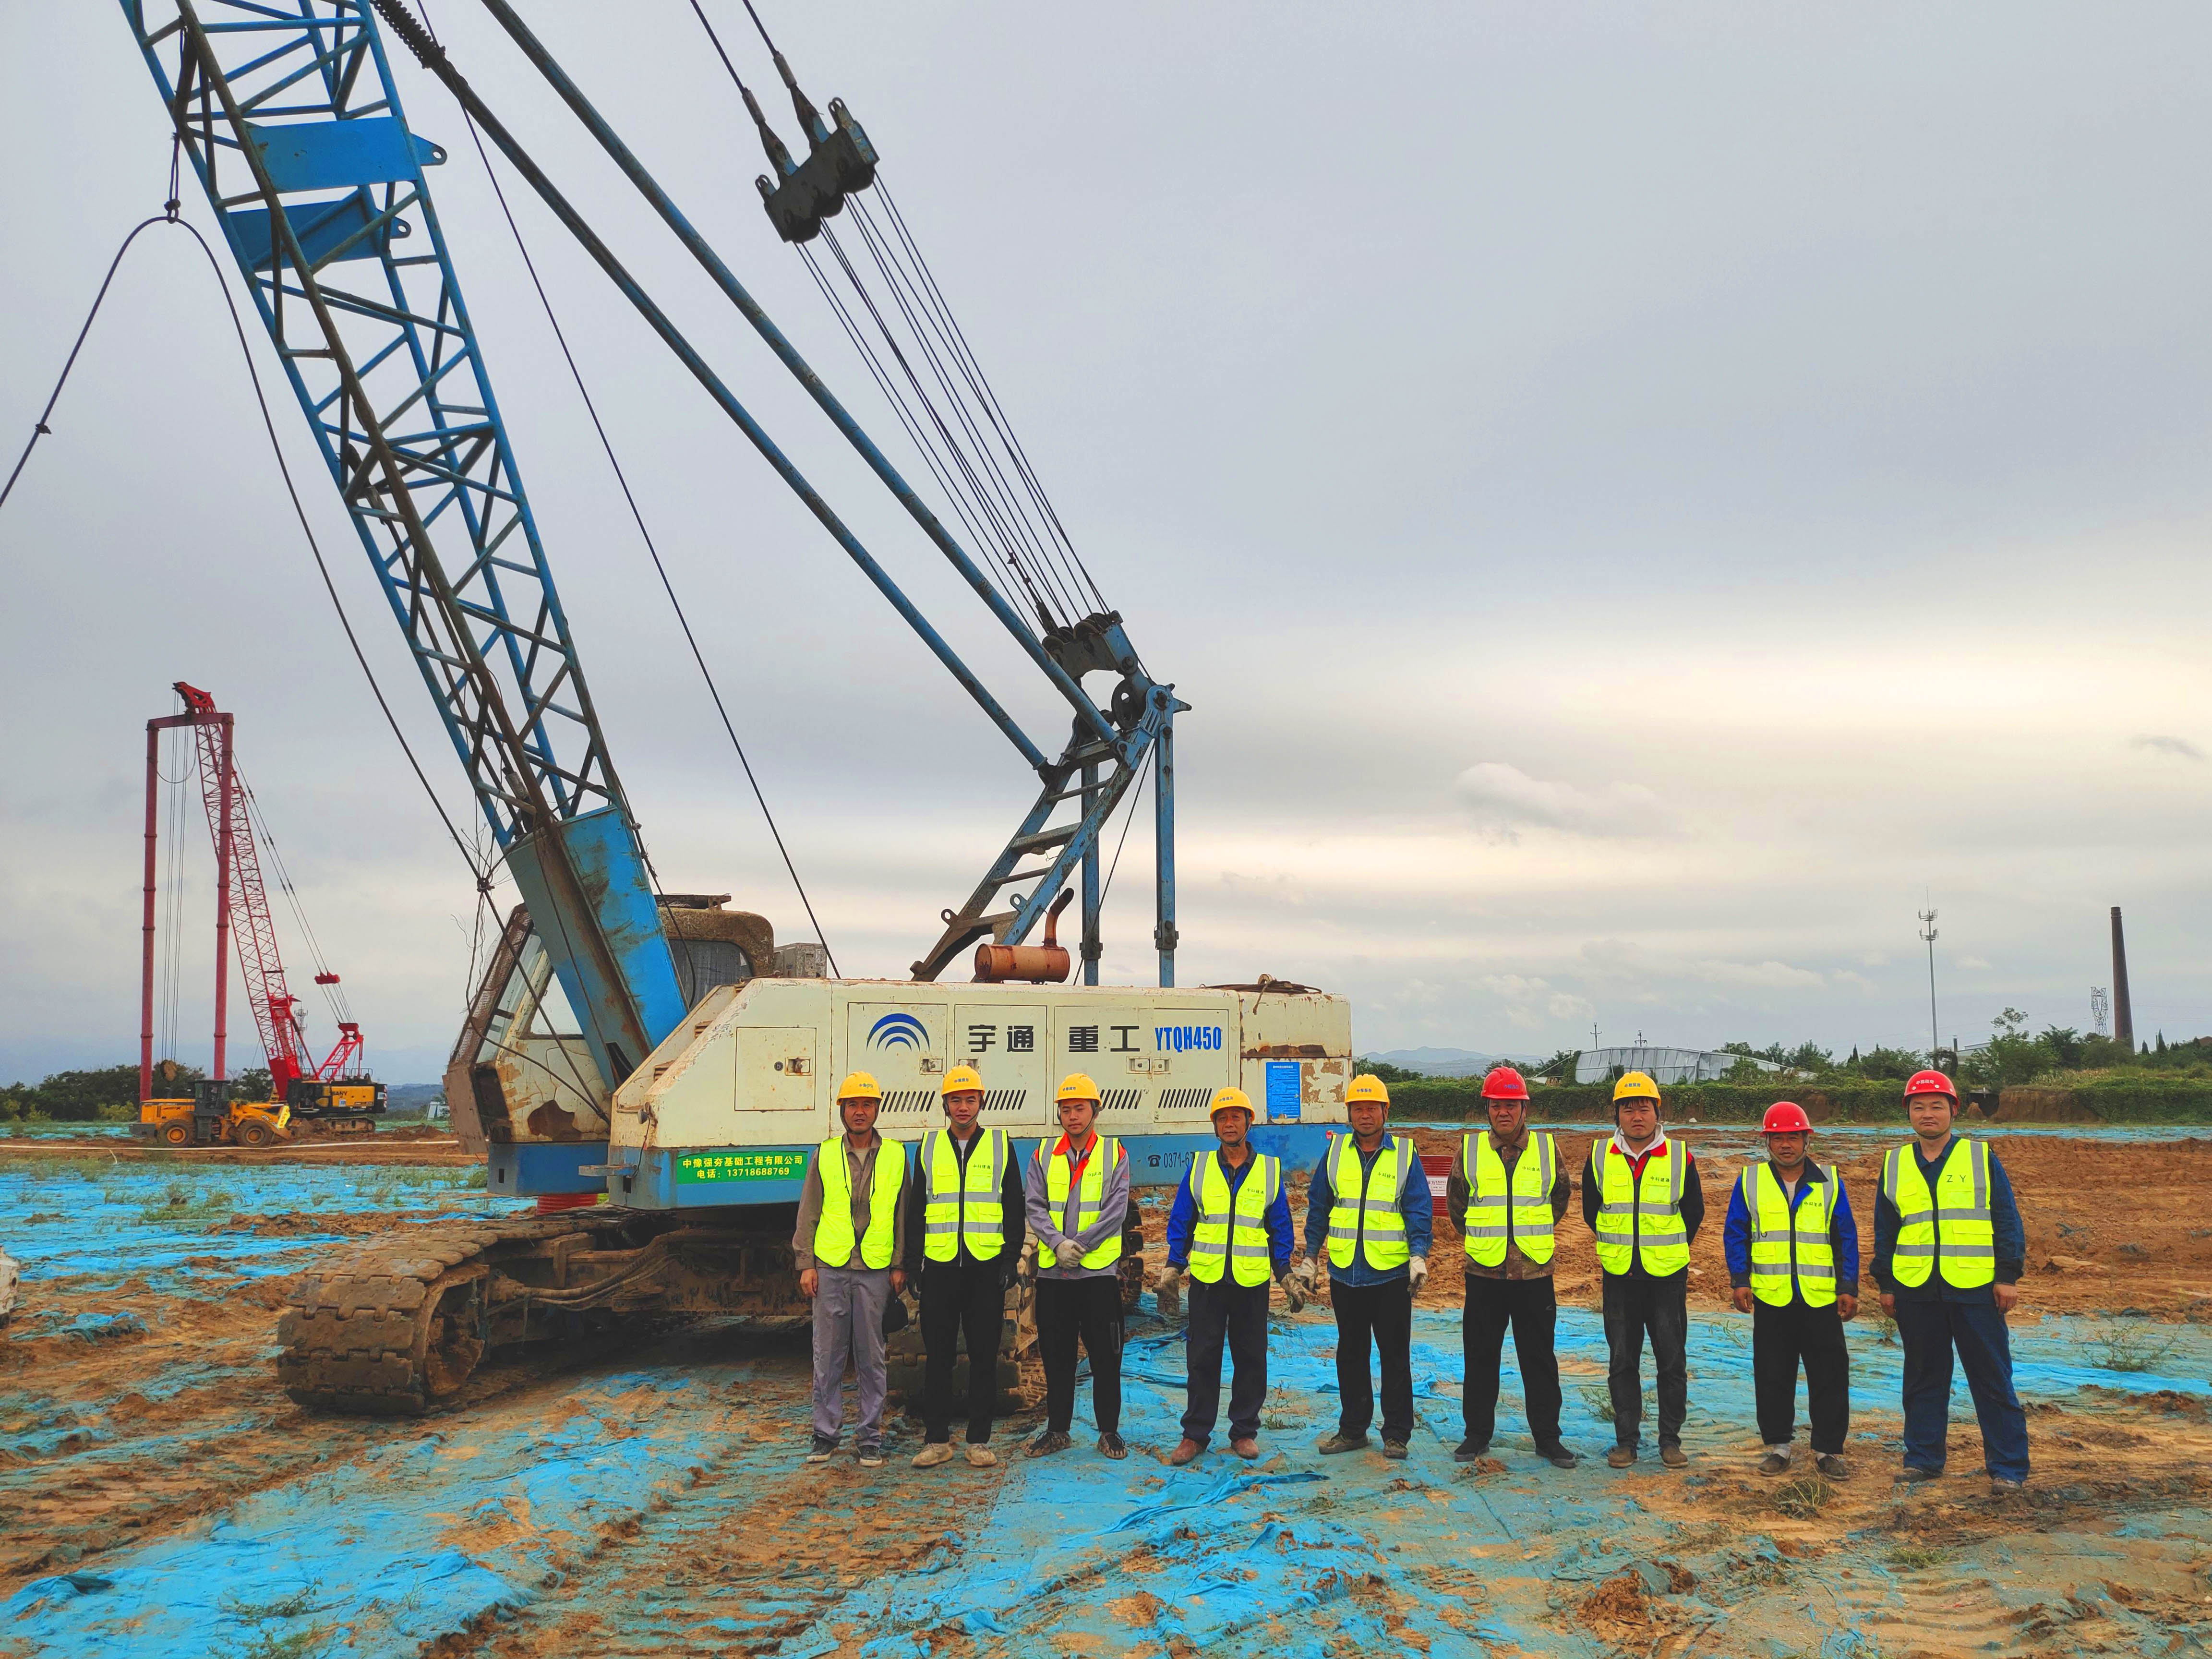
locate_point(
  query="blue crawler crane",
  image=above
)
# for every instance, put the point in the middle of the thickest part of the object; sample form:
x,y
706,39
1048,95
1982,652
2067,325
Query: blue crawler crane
x,y
287,113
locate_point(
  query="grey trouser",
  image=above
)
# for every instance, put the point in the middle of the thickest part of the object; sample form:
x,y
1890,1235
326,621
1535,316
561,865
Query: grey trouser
x,y
849,1325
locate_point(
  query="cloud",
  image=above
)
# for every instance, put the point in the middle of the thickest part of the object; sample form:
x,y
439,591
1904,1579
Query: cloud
x,y
2159,743
1505,800
1971,962
1769,974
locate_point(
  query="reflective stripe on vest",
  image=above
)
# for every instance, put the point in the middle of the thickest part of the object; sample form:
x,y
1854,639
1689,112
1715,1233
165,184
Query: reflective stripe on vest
x,y
1365,1218
1630,1222
958,1201
1090,1198
1787,1243
1486,1221
833,1234
1951,1225
1232,1231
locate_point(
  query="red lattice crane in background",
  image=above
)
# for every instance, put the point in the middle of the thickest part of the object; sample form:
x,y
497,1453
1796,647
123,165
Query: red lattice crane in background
x,y
242,908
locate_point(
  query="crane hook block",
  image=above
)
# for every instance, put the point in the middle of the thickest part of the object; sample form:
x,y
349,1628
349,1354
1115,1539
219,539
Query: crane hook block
x,y
840,162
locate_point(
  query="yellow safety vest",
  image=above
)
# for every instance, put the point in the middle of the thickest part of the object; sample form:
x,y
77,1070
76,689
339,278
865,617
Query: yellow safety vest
x,y
1631,1222
1366,1216
954,1203
1490,1196
1091,1197
1232,1233
833,1234
1949,1227
1787,1243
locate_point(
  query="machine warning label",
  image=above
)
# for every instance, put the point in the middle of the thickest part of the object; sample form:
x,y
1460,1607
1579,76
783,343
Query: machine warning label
x,y
783,1163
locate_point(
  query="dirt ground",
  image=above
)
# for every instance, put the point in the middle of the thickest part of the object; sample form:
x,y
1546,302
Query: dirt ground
x,y
139,1429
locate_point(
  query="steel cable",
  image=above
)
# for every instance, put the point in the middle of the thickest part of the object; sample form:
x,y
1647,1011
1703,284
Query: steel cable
x,y
637,516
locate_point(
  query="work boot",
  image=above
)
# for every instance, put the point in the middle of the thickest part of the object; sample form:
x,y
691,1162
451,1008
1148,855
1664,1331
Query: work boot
x,y
871,1457
1915,1474
1187,1451
1777,1460
1049,1441
2003,1487
1469,1449
1557,1456
1247,1448
822,1451
1394,1449
935,1453
980,1456
1113,1445
1673,1455
1621,1457
1341,1441
1832,1465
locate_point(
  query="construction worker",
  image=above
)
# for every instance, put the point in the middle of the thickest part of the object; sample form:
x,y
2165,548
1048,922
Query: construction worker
x,y
1230,1230
1642,1198
964,1227
1506,1194
1793,1256
1948,1248
1077,1188
850,1238
1369,1206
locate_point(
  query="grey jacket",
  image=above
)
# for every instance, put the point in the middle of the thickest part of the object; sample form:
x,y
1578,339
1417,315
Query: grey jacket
x,y
1050,1229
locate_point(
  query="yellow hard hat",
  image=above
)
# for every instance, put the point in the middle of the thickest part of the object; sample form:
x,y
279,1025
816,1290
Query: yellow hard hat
x,y
963,1077
1230,1100
1076,1086
1366,1086
1635,1085
859,1086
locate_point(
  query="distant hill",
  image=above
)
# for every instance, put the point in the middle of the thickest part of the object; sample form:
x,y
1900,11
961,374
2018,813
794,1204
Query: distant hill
x,y
410,1099
1450,1062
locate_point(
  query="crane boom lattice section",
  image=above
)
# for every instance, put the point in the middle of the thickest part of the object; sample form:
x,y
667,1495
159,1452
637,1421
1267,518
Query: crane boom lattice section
x,y
357,290
253,928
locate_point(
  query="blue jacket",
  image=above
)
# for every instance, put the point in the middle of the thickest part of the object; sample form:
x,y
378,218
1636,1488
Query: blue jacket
x,y
1843,1234
2011,1240
1184,1217
1415,1202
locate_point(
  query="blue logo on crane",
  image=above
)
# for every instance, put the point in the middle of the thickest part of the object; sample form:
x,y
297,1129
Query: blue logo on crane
x,y
898,1031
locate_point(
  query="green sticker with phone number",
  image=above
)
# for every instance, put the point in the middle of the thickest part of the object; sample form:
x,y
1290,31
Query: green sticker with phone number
x,y
782,1165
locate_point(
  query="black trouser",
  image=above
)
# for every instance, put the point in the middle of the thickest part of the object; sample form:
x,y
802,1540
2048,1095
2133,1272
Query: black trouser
x,y
1528,1305
1780,1338
1239,1313
960,1297
1384,1313
1634,1306
1091,1309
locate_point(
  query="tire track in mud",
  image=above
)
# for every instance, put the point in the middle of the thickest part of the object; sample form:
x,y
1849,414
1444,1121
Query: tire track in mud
x,y
757,1548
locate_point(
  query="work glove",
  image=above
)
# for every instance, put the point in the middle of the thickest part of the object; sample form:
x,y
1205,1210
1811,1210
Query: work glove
x,y
1417,1273
1294,1293
1026,1269
1067,1253
1167,1290
1308,1274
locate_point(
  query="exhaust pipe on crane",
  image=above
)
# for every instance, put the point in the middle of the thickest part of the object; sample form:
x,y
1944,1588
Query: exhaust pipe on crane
x,y
1039,964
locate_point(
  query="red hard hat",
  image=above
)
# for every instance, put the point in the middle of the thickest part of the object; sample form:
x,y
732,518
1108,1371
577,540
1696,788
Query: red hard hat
x,y
1930,1083
1785,1117
1504,1082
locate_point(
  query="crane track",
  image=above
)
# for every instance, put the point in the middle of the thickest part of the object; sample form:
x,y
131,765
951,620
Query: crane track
x,y
395,1328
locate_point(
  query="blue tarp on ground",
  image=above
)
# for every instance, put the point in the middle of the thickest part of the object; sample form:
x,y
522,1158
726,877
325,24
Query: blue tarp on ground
x,y
429,1530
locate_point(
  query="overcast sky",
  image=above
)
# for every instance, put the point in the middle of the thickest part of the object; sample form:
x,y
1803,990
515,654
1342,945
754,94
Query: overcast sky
x,y
1636,498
